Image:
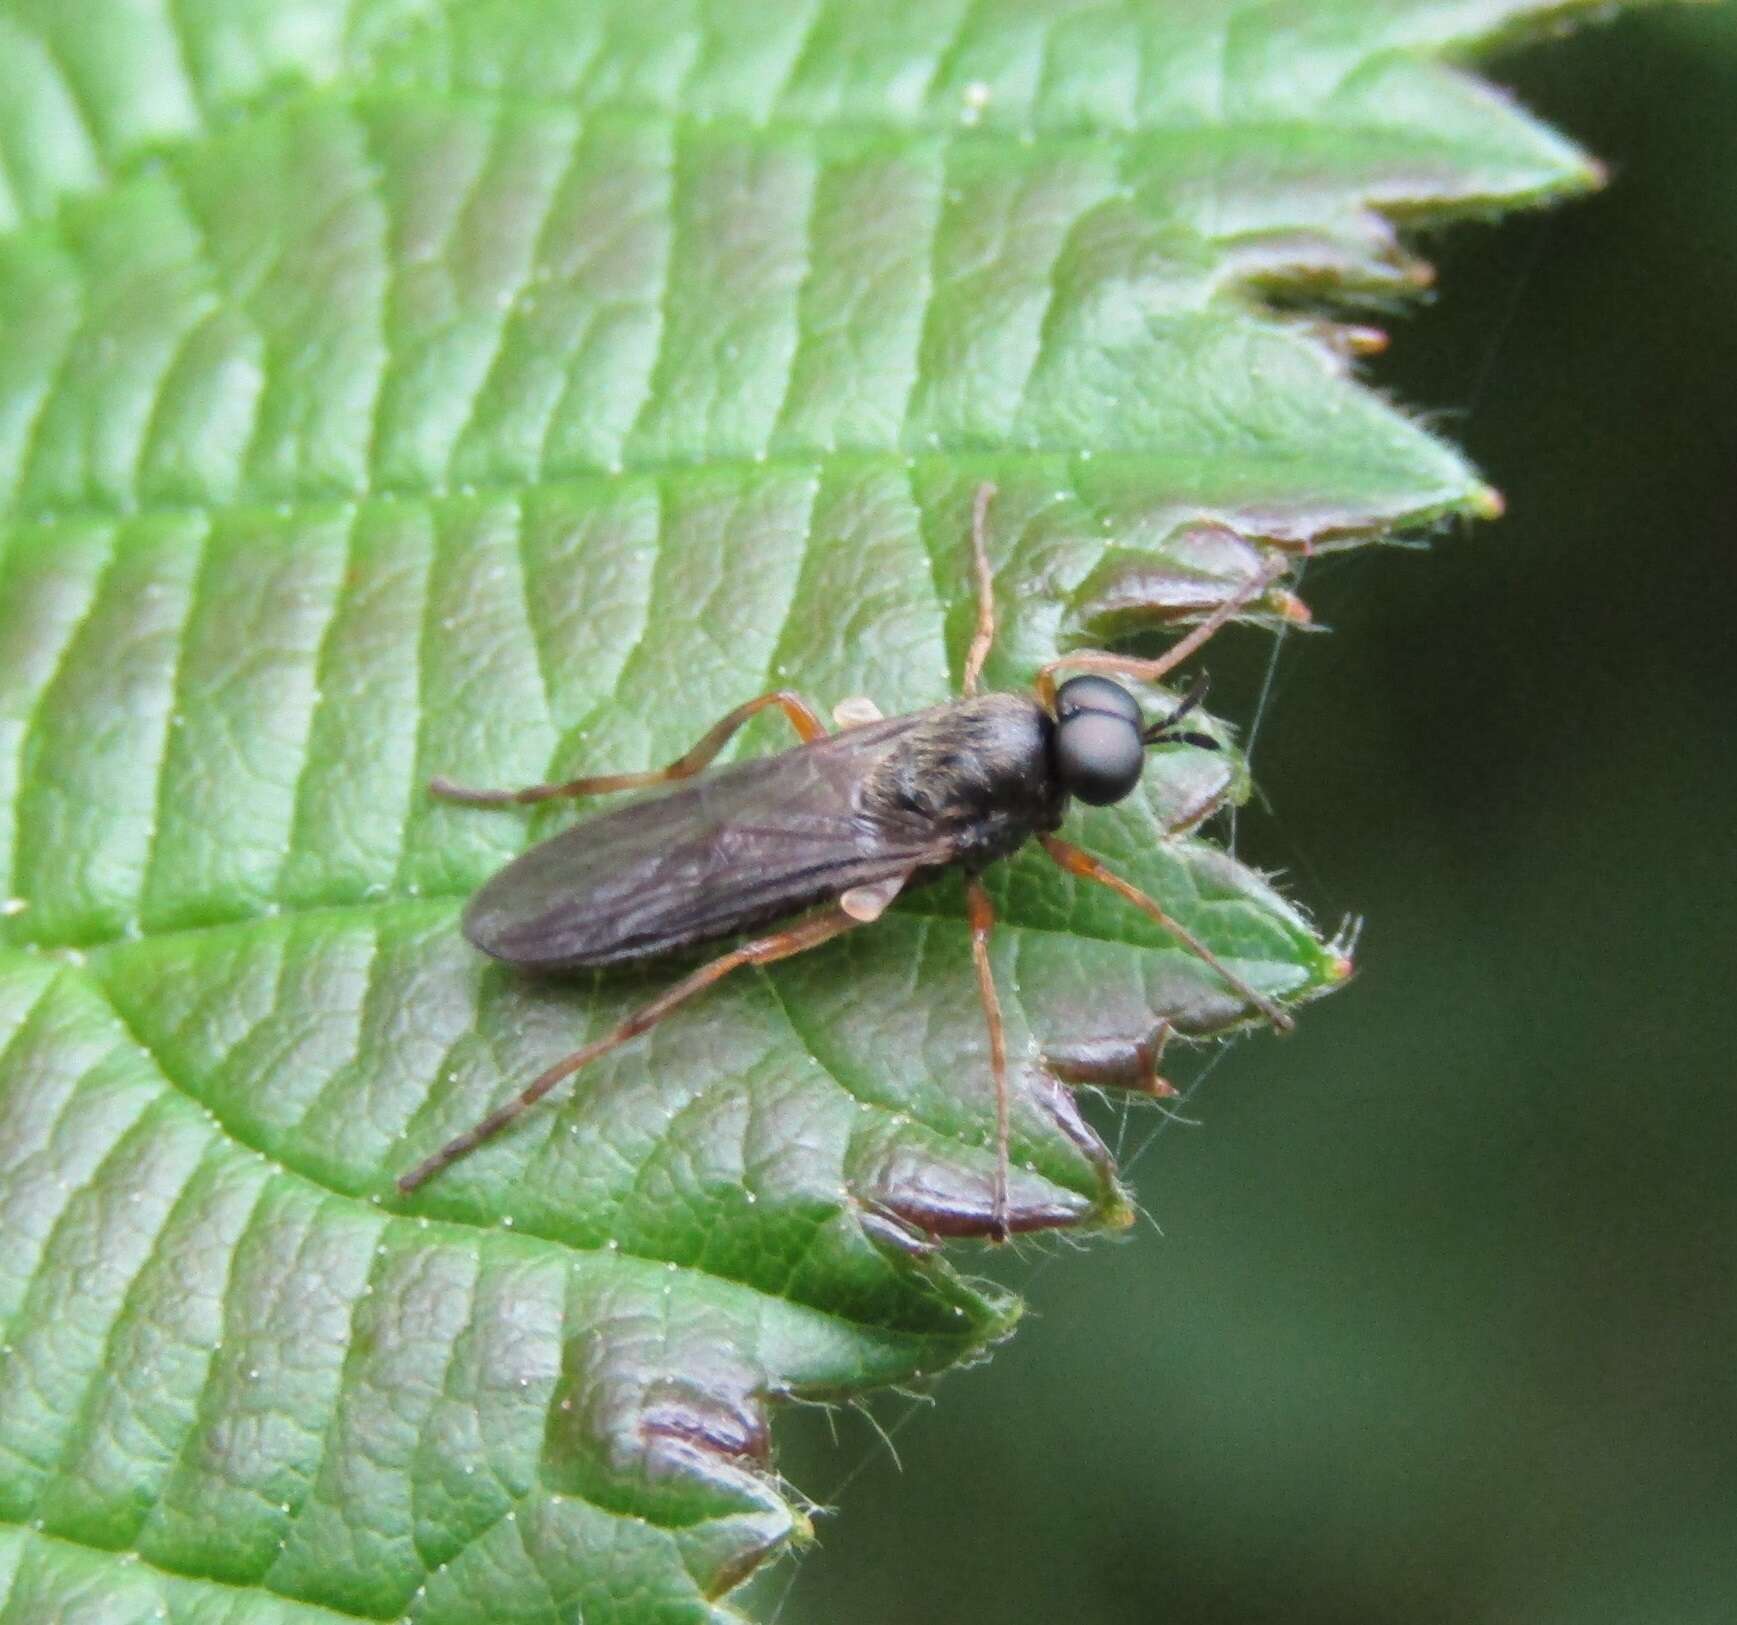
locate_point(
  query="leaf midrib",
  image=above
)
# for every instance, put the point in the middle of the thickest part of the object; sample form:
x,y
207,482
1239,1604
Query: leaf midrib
x,y
321,505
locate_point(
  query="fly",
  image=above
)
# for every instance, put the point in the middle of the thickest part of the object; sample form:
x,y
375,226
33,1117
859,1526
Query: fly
x,y
831,831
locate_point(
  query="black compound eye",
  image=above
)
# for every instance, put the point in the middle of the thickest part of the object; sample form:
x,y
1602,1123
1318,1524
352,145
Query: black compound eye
x,y
1096,694
1098,748
1098,757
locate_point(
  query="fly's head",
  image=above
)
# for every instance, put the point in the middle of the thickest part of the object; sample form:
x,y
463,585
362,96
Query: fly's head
x,y
1100,739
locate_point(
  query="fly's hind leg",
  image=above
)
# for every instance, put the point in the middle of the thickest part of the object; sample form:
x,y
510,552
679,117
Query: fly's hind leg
x,y
805,934
803,718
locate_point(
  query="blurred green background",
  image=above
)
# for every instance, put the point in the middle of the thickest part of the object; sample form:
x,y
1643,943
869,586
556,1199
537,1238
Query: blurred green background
x,y
1442,1322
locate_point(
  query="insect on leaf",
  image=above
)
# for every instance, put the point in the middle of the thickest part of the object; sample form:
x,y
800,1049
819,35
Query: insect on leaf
x,y
505,389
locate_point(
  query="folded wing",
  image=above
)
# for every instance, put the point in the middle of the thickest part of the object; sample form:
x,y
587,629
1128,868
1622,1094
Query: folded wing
x,y
732,850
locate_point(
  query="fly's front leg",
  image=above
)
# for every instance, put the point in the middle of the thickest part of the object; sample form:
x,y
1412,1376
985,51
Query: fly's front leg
x,y
805,934
1083,864
1149,671
803,718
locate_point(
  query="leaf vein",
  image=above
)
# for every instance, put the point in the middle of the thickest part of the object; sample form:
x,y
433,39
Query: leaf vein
x,y
177,677
129,1311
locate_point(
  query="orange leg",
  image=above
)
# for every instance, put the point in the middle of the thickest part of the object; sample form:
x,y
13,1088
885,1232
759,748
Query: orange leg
x,y
805,934
1083,864
983,639
803,718
982,915
1149,671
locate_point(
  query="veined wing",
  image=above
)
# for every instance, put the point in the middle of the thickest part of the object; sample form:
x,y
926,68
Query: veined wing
x,y
721,853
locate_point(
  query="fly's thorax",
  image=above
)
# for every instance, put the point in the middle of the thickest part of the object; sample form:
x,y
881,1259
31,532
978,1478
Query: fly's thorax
x,y
979,771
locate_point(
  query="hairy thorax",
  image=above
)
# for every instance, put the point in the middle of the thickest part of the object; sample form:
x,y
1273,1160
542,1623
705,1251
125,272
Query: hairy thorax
x,y
979,770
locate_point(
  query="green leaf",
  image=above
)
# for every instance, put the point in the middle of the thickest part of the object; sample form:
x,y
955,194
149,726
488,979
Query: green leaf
x,y
502,388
